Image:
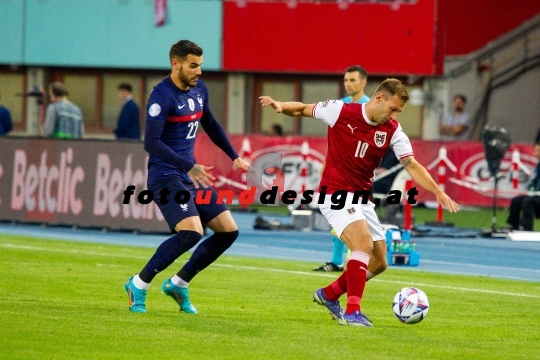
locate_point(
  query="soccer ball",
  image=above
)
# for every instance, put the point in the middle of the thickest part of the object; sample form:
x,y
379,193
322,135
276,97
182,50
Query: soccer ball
x,y
410,305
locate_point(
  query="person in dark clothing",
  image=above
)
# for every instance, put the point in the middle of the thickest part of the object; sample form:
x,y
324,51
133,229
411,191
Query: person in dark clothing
x,y
529,205
384,185
128,126
6,125
176,107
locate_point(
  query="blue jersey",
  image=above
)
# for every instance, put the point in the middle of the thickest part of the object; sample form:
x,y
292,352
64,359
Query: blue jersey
x,y
172,121
363,99
179,112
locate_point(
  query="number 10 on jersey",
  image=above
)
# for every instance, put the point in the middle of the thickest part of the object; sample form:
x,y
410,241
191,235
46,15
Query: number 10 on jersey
x,y
361,149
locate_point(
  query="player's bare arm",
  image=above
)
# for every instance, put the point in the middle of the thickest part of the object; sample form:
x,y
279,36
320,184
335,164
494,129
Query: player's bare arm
x,y
422,177
200,176
241,164
290,108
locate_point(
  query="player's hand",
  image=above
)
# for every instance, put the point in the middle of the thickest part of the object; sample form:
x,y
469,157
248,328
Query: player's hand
x,y
446,202
200,176
268,101
241,164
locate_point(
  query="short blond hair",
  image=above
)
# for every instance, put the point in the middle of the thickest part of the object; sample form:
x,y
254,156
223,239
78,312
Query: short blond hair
x,y
393,87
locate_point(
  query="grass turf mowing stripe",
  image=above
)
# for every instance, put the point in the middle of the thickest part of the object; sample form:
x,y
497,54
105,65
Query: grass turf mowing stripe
x,y
254,268
478,265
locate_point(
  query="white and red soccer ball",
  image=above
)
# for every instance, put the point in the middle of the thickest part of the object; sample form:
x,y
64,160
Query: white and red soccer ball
x,y
410,305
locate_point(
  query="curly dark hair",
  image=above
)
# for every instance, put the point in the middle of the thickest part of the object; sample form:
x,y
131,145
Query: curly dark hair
x,y
183,48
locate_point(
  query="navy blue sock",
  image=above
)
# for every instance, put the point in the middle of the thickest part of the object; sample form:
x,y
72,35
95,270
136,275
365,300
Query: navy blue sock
x,y
206,253
168,252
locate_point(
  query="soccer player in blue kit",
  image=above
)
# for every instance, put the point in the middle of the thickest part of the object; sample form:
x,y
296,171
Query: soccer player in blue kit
x,y
175,108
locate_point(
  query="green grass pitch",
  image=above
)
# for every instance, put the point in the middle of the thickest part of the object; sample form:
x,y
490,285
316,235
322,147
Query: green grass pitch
x,y
64,300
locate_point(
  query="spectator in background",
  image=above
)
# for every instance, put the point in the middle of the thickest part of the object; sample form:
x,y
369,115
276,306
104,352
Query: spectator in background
x,y
455,125
384,185
277,130
5,120
63,118
393,213
354,80
530,205
128,126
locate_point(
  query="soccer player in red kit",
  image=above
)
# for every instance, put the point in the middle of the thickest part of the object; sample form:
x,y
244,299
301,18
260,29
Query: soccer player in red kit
x,y
358,137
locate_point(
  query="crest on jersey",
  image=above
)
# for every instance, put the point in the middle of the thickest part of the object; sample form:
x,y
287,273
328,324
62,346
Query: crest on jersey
x,y
351,210
380,138
191,104
200,101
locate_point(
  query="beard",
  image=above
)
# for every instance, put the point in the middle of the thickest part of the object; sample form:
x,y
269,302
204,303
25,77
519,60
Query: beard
x,y
185,80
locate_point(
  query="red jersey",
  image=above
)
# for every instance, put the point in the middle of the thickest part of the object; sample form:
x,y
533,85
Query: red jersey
x,y
356,145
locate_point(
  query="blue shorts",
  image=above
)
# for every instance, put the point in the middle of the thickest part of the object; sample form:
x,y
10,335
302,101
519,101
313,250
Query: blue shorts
x,y
174,212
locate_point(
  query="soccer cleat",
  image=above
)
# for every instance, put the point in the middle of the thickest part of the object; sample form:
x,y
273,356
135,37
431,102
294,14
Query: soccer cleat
x,y
329,267
357,318
180,295
365,317
136,297
334,307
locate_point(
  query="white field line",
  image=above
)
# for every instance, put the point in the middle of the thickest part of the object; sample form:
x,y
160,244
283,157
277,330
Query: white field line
x,y
408,283
254,268
435,262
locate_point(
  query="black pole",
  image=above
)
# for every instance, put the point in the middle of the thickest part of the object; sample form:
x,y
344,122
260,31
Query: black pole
x,y
494,216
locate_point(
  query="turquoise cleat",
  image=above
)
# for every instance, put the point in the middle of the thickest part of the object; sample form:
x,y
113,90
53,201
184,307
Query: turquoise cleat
x,y
180,295
136,297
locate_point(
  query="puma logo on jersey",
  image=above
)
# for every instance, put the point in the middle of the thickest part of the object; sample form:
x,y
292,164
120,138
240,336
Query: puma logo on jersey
x,y
352,128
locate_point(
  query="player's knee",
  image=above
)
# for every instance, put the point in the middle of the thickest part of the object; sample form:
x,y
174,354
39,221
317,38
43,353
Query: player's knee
x,y
226,239
188,239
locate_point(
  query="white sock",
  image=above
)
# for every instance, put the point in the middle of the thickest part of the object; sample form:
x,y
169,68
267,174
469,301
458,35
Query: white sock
x,y
139,284
369,275
177,280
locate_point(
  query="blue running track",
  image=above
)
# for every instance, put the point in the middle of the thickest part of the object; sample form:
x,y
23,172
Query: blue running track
x,y
468,256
